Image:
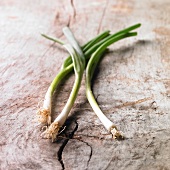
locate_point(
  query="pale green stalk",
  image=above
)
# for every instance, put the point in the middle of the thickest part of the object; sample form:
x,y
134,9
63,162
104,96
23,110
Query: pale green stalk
x,y
53,39
79,65
93,62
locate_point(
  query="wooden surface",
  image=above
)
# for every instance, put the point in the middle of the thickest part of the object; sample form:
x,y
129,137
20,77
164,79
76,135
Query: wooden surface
x,y
132,86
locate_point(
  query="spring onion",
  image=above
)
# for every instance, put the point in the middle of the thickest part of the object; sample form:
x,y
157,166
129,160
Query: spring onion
x,y
79,66
93,62
76,61
44,113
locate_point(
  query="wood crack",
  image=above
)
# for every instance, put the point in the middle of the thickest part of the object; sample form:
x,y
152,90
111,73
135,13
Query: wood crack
x,y
71,17
103,14
74,9
91,150
69,21
61,149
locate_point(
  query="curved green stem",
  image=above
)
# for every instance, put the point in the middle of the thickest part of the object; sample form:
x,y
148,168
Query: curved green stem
x,y
79,64
78,77
60,76
91,66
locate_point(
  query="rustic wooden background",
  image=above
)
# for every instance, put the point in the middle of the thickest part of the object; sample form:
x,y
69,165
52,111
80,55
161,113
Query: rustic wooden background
x,y
132,86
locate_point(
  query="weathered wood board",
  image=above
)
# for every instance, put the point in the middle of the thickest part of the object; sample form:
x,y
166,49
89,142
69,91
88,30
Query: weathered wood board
x,y
132,86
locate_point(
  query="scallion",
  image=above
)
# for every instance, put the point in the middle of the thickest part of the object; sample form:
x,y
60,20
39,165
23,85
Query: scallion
x,y
77,59
79,65
93,62
44,113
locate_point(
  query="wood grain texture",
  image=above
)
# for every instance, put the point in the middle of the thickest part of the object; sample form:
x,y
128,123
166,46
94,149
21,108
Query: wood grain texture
x,y
132,86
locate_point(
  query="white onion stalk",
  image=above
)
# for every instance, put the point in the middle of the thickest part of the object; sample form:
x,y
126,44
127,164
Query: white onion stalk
x,y
109,125
93,62
79,64
44,113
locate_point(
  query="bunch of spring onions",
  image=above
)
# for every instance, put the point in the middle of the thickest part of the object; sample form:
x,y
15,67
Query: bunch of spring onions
x,y
89,55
